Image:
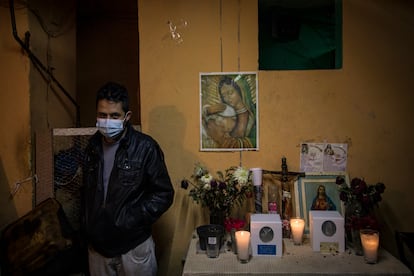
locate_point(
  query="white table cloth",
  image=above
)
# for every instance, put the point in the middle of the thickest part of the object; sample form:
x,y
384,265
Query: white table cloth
x,y
296,260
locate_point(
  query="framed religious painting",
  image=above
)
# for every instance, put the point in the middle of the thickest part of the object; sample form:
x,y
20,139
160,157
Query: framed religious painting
x,y
318,191
229,111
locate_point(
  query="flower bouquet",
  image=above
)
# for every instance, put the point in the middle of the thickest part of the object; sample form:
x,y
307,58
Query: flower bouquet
x,y
359,199
219,194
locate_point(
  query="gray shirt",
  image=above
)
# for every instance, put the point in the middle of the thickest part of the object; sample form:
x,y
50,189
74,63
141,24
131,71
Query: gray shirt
x,y
109,150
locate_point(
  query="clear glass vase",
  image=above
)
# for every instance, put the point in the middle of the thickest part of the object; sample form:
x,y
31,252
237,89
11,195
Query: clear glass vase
x,y
233,240
356,243
354,215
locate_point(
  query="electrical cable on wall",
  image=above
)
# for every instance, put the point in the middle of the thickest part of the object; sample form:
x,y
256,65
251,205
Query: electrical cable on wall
x,y
238,36
59,25
18,184
38,64
221,36
238,60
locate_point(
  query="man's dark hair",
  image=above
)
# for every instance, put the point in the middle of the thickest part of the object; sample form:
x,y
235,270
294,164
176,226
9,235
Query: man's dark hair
x,y
114,92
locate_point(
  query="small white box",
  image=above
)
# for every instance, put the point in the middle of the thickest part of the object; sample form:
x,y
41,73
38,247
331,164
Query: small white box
x,y
326,231
266,235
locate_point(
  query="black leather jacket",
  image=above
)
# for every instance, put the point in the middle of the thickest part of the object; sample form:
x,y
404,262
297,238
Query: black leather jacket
x,y
139,192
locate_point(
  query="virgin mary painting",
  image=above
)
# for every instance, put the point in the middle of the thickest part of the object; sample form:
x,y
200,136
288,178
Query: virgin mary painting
x,y
228,111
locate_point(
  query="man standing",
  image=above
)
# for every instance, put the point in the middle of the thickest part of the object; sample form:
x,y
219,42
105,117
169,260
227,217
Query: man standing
x,y
126,189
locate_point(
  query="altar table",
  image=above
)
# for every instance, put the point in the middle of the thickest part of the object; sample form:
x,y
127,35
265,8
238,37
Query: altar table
x,y
296,260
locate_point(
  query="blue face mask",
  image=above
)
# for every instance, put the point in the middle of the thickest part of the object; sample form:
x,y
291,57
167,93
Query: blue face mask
x,y
110,128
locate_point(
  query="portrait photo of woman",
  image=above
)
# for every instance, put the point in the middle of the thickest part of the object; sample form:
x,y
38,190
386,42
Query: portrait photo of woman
x,y
228,111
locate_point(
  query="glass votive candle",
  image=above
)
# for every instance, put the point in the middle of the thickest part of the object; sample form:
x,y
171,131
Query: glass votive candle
x,y
212,247
297,225
243,246
370,244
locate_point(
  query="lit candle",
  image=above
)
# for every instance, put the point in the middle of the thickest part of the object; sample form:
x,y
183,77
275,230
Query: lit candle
x,y
243,246
370,243
297,225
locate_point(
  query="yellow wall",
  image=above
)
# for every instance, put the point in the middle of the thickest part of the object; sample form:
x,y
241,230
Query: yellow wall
x,y
367,104
15,141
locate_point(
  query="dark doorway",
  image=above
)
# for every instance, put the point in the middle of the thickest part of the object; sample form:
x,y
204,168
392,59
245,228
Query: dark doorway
x,y
107,49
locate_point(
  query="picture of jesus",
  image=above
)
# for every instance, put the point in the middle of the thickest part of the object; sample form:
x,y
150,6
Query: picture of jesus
x,y
322,201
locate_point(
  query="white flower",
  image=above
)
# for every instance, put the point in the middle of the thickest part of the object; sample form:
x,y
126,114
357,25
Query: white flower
x,y
241,175
206,179
207,186
199,170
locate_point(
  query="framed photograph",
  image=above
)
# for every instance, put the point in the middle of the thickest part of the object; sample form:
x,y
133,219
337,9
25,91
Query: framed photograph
x,y
229,111
318,192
